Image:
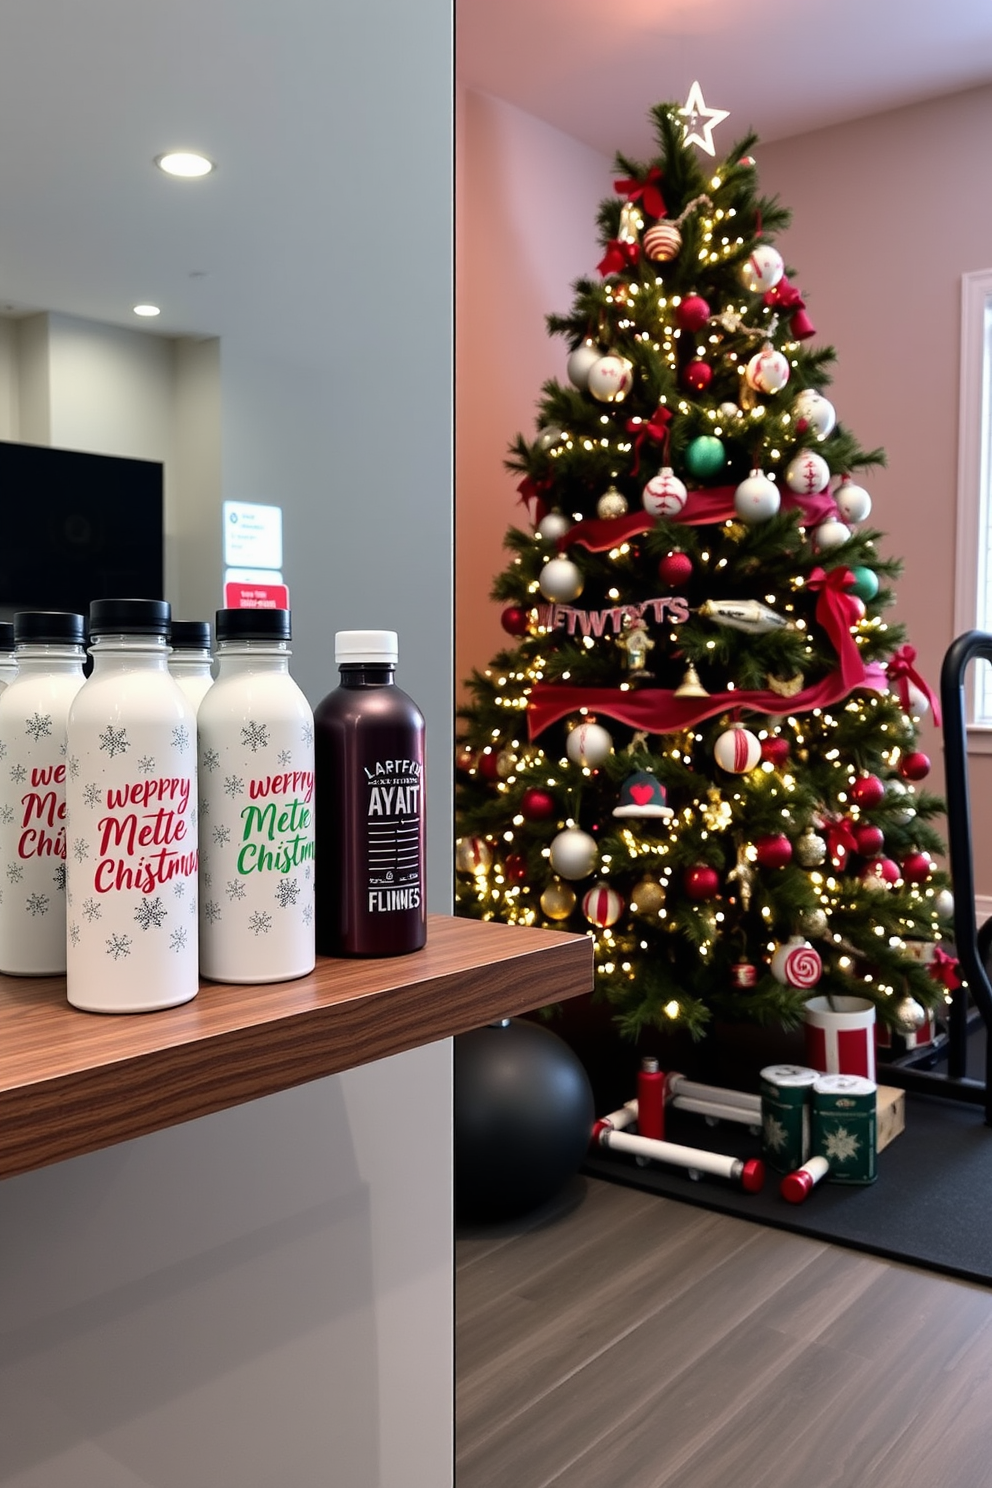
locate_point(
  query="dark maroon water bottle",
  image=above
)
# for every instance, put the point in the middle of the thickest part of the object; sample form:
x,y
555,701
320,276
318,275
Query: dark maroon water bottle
x,y
369,864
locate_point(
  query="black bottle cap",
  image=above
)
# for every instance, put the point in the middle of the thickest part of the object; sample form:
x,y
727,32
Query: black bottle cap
x,y
254,625
130,617
190,635
52,627
6,636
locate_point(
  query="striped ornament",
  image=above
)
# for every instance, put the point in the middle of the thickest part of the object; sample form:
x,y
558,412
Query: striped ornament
x,y
602,906
662,242
737,750
797,964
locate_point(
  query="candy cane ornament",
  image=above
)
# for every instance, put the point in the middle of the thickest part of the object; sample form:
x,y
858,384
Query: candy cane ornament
x,y
750,1174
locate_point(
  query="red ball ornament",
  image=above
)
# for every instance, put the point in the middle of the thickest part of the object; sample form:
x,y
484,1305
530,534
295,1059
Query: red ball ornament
x,y
870,840
701,882
697,376
515,620
537,805
692,314
867,792
774,851
465,758
775,750
917,867
675,568
880,872
489,765
914,766
515,868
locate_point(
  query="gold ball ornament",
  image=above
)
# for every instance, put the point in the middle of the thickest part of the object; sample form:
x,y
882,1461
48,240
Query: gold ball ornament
x,y
558,900
506,763
647,897
611,504
814,922
811,849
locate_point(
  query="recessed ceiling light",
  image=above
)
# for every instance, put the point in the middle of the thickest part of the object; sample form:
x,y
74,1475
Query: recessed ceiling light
x,y
147,310
184,163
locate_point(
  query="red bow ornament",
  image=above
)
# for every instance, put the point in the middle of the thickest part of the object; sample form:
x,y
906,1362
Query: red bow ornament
x,y
656,427
901,669
837,610
841,842
618,256
945,969
786,297
647,192
535,490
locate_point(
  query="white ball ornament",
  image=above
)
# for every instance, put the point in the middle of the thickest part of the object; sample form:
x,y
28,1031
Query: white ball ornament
x,y
943,903
728,411
763,269
548,437
830,534
611,504
602,905
574,853
553,526
757,499
814,414
897,788
767,371
853,502
589,744
797,964
664,495
579,362
807,473
610,379
737,750
561,581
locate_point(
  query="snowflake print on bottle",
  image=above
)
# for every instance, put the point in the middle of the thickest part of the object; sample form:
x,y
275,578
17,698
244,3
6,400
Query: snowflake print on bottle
x,y
256,768
131,819
33,711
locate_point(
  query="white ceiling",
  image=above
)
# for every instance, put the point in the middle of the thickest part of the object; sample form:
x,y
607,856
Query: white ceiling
x,y
91,92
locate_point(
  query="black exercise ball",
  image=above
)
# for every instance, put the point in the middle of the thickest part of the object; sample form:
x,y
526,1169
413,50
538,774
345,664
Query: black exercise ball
x,y
523,1118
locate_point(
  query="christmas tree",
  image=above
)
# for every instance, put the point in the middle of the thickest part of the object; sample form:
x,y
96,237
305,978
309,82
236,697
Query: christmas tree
x,y
700,746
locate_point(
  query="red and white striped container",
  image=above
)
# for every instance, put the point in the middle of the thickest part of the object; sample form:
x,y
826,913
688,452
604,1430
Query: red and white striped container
x,y
840,1037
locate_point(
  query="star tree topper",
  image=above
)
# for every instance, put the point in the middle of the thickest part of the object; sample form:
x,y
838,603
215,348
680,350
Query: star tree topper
x,y
700,120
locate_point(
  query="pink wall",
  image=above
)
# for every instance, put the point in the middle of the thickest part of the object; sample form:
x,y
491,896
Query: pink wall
x,y
526,198
888,213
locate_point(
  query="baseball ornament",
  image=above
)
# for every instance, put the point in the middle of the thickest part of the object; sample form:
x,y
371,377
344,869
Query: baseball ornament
x,y
705,456
574,853
797,964
737,750
853,502
537,805
602,906
553,526
807,473
757,499
662,242
473,855
701,882
610,379
814,414
664,495
830,534
580,361
515,620
692,313
611,504
697,376
558,900
762,271
588,744
767,371
561,581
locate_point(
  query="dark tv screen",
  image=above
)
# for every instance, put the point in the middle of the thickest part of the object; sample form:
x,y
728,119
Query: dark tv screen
x,y
76,527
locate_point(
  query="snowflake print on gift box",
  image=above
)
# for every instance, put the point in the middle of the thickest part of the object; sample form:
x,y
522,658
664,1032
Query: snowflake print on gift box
x,y
308,733
285,757
307,913
150,912
118,946
3,750
6,815
177,941
80,849
146,764
774,1134
211,759
212,911
74,933
91,794
233,786
222,835
180,738
179,888
18,774
15,872
235,889
287,892
73,767
255,736
841,1144
194,905
58,877
38,904
260,922
91,910
39,726
114,741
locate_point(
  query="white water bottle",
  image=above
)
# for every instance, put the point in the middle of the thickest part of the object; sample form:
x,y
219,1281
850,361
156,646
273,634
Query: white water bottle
x,y
256,784
191,663
132,820
8,661
33,711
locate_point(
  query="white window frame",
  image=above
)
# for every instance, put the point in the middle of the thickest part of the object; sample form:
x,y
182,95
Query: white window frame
x,y
973,577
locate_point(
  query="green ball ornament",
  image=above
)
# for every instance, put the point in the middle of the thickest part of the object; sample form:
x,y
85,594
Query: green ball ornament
x,y
705,456
865,585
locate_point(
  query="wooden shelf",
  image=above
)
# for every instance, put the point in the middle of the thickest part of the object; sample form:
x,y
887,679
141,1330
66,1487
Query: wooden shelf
x,y
72,1082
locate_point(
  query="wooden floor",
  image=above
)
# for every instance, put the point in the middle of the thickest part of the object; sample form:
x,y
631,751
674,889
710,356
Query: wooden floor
x,y
620,1340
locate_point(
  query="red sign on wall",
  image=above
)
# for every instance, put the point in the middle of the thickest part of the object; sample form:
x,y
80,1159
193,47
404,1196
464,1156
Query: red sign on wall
x,y
240,596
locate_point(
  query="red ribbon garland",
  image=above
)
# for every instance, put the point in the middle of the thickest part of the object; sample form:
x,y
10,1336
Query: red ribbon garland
x,y
535,490
619,256
945,969
841,842
647,192
654,428
785,296
836,611
901,669
702,507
